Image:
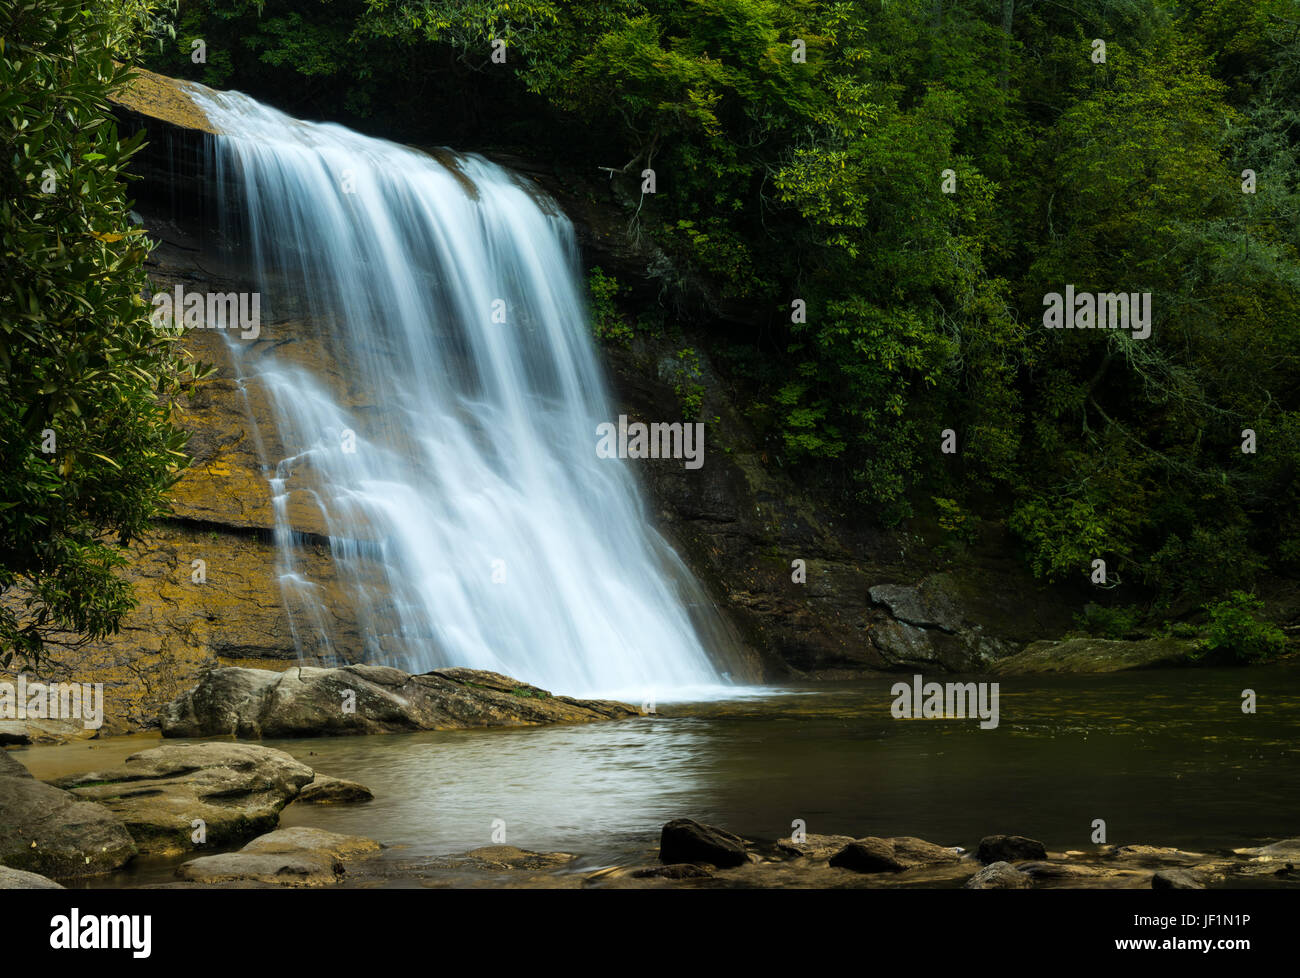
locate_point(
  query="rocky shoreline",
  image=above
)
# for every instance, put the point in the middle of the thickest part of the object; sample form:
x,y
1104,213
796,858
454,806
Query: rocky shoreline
x,y
188,799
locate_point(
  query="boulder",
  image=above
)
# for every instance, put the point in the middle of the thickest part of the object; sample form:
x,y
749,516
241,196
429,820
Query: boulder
x,y
1009,848
298,856
237,790
17,879
306,702
334,791
49,831
684,840
893,855
999,876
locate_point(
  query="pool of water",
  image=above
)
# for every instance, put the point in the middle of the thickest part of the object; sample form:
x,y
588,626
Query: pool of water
x,y
1164,757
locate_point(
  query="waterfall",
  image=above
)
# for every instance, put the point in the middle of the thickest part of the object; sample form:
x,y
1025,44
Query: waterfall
x,y
447,439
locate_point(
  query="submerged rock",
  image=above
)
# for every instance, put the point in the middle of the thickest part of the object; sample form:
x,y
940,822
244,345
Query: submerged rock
x,y
893,855
512,857
684,840
237,790
49,831
1009,848
309,702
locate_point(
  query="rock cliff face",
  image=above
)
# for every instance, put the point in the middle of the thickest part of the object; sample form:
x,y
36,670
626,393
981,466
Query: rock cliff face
x,y
870,599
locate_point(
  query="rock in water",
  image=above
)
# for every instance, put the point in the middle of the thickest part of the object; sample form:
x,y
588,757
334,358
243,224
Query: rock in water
x,y
684,840
237,790
999,876
49,831
893,855
334,791
309,702
1009,848
282,869
287,857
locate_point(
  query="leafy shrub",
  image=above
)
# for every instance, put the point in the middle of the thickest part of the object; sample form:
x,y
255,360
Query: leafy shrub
x,y
1235,629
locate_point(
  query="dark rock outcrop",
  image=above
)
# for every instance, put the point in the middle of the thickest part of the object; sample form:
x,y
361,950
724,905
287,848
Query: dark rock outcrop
x,y
1009,848
684,840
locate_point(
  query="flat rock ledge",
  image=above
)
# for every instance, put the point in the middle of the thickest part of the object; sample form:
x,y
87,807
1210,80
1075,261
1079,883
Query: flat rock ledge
x,y
361,699
1095,655
222,793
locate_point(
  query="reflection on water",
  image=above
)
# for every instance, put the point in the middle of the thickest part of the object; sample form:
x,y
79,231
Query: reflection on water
x,y
1166,758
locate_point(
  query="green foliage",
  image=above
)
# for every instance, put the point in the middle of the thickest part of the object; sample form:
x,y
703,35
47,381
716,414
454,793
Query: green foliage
x,y
87,444
607,323
1236,630
1113,623
955,521
688,383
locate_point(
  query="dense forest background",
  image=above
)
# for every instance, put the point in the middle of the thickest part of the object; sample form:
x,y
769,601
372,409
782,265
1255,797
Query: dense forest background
x,y
799,150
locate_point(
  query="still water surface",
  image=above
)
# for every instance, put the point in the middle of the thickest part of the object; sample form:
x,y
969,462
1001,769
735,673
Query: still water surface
x,y
1165,757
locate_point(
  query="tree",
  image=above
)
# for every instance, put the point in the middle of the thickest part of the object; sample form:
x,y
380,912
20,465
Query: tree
x,y
88,447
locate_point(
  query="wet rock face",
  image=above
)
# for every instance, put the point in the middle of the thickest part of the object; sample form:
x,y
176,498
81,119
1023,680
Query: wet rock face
x,y
236,790
307,702
52,832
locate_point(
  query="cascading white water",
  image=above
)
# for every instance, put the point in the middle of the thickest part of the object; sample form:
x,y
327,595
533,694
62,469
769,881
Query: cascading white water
x,y
473,523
